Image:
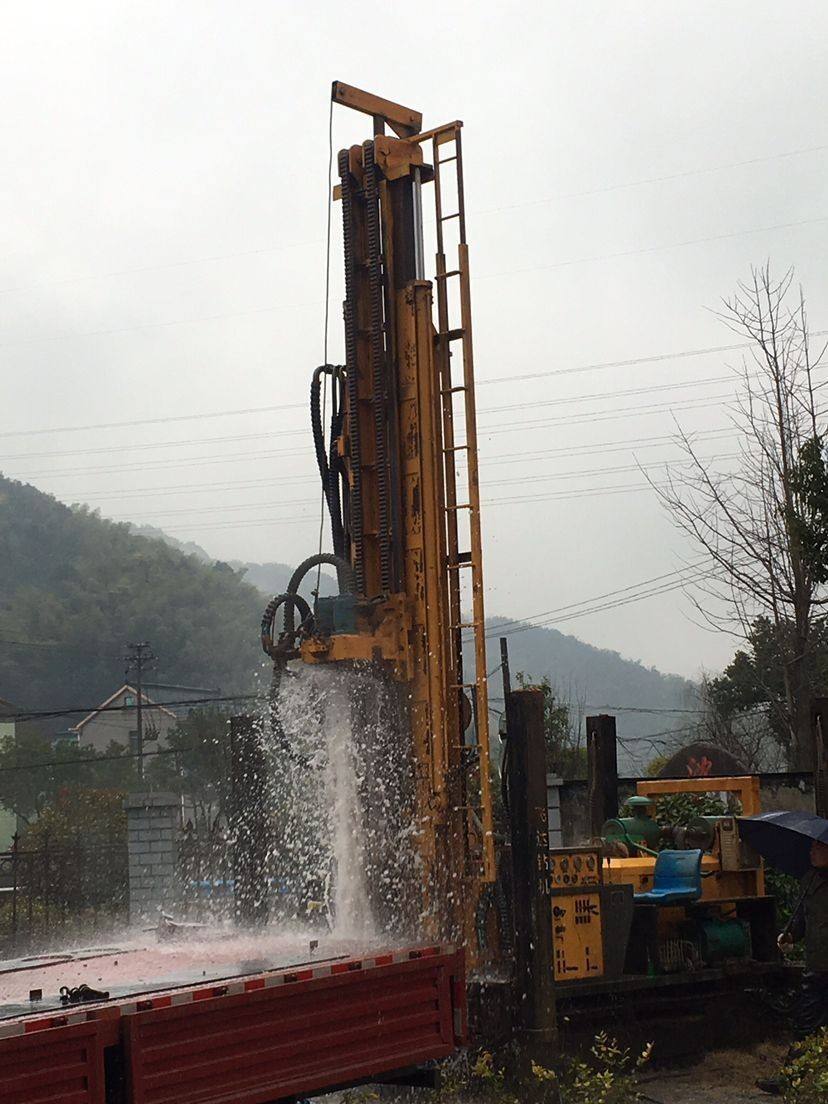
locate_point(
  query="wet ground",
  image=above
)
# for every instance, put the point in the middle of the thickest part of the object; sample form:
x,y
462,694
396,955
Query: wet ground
x,y
724,1077
138,962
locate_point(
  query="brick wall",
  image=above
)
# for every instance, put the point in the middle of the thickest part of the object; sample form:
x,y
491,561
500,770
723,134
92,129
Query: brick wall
x,y
154,834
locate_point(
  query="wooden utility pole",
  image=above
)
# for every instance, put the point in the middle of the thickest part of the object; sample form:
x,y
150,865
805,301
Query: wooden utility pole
x,y
138,658
534,964
504,667
602,760
819,723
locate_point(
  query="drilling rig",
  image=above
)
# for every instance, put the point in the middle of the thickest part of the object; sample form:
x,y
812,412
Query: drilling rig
x,y
399,473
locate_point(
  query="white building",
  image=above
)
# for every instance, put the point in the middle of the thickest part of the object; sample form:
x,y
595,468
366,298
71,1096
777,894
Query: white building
x,y
117,719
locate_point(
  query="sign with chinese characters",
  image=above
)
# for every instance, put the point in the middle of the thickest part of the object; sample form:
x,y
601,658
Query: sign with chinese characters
x,y
577,936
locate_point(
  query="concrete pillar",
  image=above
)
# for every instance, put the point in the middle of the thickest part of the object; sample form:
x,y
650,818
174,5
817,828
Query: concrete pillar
x,y
553,810
154,833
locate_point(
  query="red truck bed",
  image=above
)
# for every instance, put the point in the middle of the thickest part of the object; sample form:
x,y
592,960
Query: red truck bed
x,y
249,1038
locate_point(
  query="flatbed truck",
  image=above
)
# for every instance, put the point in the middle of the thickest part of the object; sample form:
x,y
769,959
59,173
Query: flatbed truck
x,y
270,1035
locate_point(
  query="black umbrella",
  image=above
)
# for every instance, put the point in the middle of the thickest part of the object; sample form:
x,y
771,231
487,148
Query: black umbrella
x,y
784,839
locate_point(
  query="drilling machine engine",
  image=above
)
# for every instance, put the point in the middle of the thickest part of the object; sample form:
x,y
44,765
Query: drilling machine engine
x,y
400,482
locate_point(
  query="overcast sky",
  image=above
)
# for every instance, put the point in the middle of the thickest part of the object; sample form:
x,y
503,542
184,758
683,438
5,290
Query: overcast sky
x,y
162,258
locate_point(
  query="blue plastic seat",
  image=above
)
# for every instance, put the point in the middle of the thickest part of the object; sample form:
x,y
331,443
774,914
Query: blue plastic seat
x,y
677,878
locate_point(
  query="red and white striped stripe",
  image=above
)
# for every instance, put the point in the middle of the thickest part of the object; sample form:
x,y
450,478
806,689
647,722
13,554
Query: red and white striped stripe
x,y
171,998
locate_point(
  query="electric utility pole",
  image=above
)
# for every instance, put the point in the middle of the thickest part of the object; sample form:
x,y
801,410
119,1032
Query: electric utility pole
x,y
138,658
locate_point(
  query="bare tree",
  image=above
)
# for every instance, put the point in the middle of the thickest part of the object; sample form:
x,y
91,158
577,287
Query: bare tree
x,y
747,734
761,524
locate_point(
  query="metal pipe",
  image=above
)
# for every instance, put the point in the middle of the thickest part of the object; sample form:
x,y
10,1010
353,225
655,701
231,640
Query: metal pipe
x,y
419,247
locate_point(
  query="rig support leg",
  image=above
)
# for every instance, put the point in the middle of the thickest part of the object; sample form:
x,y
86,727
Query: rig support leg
x,y
602,757
537,1027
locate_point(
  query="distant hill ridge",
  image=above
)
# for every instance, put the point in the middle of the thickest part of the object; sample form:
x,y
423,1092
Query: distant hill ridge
x,y
74,588
269,578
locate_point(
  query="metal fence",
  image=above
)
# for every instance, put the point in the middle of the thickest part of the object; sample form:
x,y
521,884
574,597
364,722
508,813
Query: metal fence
x,y
69,887
205,873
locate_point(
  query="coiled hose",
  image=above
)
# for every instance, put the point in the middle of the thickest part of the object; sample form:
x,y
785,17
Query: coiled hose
x,y
293,601
344,575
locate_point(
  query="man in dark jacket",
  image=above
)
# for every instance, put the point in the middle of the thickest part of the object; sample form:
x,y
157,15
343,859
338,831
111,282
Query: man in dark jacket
x,y
809,922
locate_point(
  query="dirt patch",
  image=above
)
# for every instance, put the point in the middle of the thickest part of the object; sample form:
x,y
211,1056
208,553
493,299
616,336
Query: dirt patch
x,y
722,1077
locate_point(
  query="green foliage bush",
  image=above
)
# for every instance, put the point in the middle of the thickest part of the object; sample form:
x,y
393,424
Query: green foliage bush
x,y
785,889
609,1076
682,808
33,772
565,754
201,765
70,869
77,851
805,1077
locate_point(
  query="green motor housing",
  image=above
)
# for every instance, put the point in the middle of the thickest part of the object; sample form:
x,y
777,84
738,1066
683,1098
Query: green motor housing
x,y
638,830
723,939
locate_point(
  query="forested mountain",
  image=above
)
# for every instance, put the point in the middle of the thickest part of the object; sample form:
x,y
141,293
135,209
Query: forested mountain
x,y
269,578
74,589
596,680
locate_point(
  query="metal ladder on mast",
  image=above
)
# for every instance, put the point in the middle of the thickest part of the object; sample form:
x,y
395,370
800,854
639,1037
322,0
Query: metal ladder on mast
x,y
447,148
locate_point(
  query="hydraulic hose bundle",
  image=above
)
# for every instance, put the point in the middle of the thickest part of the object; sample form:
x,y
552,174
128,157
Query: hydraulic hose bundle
x,y
292,601
327,459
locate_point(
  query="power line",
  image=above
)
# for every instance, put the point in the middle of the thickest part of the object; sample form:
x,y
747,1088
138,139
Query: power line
x,y
57,338
150,421
601,190
662,588
630,362
644,709
521,480
651,249
502,275
56,644
43,714
174,489
486,461
606,395
588,472
138,269
275,433
560,496
599,366
105,758
601,597
700,402
268,250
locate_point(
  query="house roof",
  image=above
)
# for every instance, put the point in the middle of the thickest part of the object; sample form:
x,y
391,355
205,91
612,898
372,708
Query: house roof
x,y
125,689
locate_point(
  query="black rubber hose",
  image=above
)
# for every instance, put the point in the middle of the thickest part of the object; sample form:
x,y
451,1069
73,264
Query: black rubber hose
x,y
344,575
335,466
327,471
289,601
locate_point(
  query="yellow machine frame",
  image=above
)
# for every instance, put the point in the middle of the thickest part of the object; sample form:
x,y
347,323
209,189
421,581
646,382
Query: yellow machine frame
x,y
409,440
717,884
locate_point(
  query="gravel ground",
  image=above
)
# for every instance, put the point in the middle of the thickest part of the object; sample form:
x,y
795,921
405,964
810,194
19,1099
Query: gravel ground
x,y
724,1077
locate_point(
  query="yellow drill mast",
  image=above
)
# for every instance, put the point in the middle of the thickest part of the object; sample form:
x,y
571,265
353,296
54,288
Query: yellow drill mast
x,y
401,482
